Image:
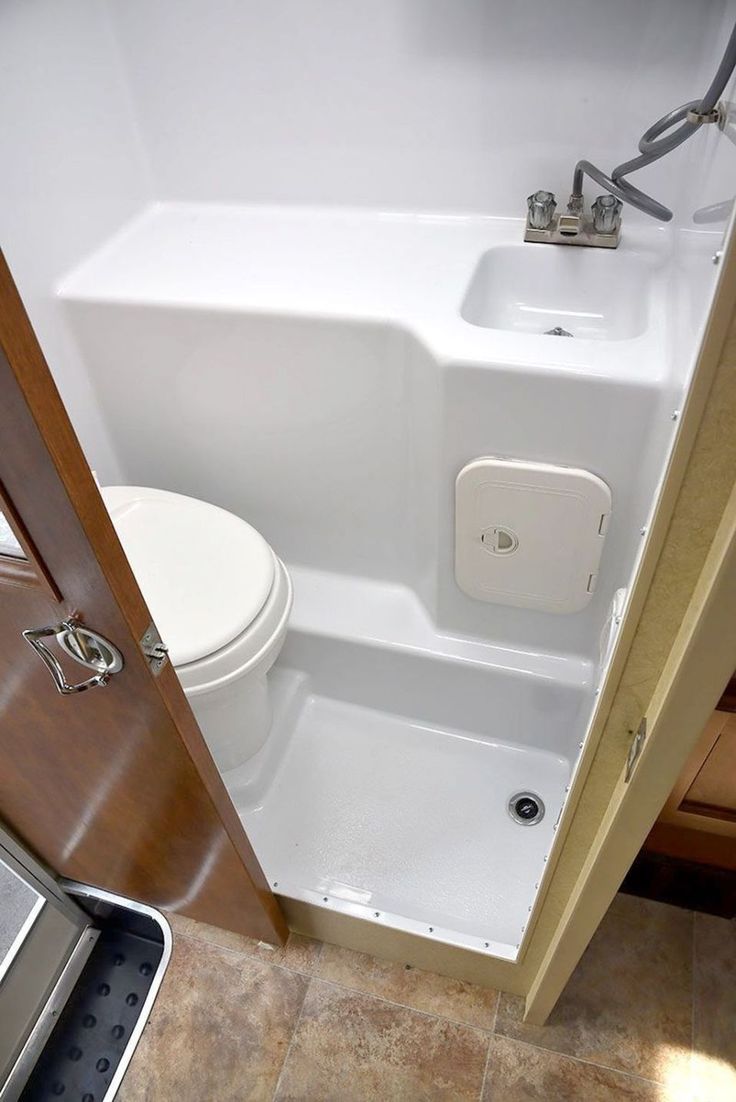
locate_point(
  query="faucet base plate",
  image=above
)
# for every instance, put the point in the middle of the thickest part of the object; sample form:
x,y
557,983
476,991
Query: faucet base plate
x,y
584,236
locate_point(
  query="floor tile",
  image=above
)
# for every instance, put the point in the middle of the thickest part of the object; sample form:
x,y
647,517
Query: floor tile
x,y
628,1004
299,953
519,1073
351,1047
714,1019
220,1029
413,987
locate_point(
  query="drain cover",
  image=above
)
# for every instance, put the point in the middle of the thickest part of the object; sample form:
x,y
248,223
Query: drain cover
x,y
526,808
558,331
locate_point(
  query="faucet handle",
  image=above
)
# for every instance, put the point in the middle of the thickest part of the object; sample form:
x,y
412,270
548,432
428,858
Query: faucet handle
x,y
606,214
541,206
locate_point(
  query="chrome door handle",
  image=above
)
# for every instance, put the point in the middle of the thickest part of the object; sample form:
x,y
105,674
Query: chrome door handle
x,y
83,645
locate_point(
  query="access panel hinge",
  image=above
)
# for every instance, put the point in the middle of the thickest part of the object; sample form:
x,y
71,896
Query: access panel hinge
x,y
635,749
154,649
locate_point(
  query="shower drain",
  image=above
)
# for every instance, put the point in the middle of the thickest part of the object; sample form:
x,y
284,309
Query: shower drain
x,y
526,808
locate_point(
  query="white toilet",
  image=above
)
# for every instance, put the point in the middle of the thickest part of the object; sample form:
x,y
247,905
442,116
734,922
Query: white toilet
x,y
220,598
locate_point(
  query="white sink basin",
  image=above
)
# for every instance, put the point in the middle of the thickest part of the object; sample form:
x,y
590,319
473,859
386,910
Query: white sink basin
x,y
594,294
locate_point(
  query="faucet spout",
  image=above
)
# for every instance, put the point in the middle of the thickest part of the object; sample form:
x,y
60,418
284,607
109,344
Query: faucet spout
x,y
570,224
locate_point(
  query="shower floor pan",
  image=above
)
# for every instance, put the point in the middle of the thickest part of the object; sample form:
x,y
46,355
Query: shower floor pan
x,y
381,817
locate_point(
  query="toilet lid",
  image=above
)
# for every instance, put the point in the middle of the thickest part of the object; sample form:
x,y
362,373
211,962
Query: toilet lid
x,y
205,573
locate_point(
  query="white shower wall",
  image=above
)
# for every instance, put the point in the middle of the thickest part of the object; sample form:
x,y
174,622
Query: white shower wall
x,y
73,170
411,104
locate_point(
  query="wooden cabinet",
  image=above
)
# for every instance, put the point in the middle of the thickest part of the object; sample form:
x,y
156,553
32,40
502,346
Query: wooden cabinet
x,y
698,822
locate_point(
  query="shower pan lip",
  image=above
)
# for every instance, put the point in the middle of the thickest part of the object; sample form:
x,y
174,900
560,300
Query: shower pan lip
x,y
445,935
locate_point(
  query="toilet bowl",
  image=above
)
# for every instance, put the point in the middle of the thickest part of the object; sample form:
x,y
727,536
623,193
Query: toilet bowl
x,y
220,598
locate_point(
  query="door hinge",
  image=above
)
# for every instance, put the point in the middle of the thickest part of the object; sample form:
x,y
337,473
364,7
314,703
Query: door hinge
x,y
154,649
635,749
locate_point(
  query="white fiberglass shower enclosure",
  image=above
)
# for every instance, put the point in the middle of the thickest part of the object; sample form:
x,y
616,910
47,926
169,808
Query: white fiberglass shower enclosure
x,y
274,256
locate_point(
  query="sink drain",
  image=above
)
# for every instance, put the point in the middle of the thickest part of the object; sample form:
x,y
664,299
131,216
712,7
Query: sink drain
x,y
558,331
526,808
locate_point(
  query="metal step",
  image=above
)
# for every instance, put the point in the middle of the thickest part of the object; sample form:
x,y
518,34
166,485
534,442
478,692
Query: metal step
x,y
86,1054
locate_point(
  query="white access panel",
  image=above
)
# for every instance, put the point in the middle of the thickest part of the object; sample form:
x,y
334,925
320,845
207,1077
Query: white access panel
x,y
529,534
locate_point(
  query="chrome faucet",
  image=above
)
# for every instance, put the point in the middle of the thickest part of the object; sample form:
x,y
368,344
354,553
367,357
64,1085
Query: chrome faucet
x,y
602,229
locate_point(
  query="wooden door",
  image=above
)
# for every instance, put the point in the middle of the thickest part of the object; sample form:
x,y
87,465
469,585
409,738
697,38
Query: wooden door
x,y
113,786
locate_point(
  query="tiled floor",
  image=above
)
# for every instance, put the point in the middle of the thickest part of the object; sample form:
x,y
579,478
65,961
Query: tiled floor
x,y
649,1016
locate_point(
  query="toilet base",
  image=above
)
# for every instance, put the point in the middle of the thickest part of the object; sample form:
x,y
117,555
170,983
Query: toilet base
x,y
235,720
228,691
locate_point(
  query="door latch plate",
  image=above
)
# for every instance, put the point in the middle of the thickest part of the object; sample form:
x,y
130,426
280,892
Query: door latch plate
x,y
635,749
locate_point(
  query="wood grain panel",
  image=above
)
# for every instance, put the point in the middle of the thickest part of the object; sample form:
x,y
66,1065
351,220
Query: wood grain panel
x,y
713,791
698,822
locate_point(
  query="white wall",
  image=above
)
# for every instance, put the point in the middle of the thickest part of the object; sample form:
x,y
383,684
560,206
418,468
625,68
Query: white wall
x,y
430,104
73,170
708,165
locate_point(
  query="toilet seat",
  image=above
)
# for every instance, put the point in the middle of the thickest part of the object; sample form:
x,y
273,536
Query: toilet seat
x,y
218,594
254,647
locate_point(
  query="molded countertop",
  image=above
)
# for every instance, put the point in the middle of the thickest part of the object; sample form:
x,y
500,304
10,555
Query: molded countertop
x,y
409,270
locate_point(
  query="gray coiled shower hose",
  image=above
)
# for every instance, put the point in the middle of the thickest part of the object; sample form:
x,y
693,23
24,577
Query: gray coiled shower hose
x,y
657,142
